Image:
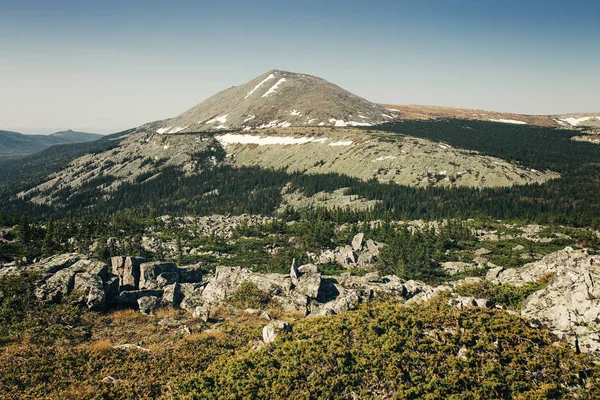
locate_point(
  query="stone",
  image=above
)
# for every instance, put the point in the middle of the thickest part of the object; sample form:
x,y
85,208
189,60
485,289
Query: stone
x,y
357,241
227,280
308,283
456,267
129,298
149,304
294,273
570,305
91,290
172,295
56,286
190,273
111,288
274,329
150,271
265,315
481,252
202,313
58,262
128,271
191,295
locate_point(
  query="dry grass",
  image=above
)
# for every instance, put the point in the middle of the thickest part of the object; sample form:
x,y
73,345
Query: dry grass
x,y
100,346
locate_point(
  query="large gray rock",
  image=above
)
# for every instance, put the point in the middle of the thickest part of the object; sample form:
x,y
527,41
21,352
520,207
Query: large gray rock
x,y
172,295
357,241
570,304
191,295
129,298
150,272
128,271
56,286
533,272
227,280
90,289
149,304
202,313
274,329
190,273
307,281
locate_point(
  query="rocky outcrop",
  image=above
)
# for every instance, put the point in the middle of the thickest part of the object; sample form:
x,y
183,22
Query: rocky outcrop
x,y
570,304
358,254
535,271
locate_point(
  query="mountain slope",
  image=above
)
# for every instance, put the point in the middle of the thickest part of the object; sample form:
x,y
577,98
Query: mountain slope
x,y
281,121
420,112
16,145
279,99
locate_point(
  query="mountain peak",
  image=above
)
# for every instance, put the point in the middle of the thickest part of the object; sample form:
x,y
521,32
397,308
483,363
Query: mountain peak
x,y
279,99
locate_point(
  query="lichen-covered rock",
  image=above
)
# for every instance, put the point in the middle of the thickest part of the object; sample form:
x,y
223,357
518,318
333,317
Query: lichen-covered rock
x,y
202,313
357,241
533,272
129,298
191,295
149,304
274,329
90,290
150,272
128,271
570,304
227,280
172,295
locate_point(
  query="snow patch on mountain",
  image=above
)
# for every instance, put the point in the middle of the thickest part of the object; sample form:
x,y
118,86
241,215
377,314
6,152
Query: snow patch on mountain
x,y
508,121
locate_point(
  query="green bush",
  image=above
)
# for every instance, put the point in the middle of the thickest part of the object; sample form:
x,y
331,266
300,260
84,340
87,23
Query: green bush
x,y
249,296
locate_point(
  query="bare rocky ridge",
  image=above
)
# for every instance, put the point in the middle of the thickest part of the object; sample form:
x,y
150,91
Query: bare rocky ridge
x,y
279,99
420,112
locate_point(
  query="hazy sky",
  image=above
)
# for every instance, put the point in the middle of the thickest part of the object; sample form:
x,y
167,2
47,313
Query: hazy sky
x,y
104,66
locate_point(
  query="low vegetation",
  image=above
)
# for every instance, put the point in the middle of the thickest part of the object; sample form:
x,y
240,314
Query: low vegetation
x,y
383,349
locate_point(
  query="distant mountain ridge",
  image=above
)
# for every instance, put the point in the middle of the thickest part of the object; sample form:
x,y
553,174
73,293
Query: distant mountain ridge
x,y
422,112
17,145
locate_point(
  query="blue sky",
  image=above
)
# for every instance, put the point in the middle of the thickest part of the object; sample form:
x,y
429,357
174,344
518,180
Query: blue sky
x,y
110,65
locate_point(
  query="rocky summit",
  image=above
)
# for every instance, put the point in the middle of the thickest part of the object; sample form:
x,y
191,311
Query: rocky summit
x,y
279,99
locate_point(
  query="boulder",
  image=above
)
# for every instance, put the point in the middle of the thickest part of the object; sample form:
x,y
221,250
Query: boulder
x,y
357,241
202,313
150,271
58,262
465,301
533,272
457,267
570,304
190,273
227,280
128,271
172,295
274,329
306,280
191,295
61,283
149,304
90,290
56,286
129,298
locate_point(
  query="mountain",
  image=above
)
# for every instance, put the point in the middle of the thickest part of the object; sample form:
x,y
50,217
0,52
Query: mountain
x,y
279,99
420,112
17,145
288,122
